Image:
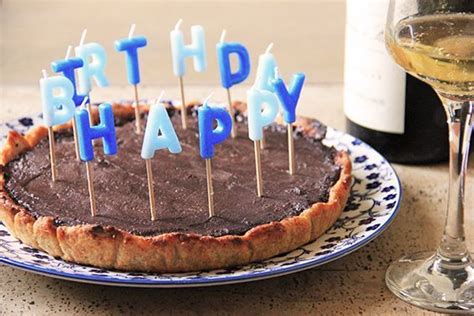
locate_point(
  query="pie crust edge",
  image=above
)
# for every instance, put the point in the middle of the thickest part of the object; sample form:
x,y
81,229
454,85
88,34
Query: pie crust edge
x,y
111,248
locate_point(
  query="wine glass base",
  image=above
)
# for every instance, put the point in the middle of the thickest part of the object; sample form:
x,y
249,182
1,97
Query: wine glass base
x,y
418,279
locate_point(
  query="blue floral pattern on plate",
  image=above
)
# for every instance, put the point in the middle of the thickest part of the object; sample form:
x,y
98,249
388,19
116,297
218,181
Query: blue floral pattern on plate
x,y
373,204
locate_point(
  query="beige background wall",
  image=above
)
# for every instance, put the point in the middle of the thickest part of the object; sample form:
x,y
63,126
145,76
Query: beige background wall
x,y
308,35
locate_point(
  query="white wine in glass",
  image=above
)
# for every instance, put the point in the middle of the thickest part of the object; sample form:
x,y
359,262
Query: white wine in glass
x,y
434,41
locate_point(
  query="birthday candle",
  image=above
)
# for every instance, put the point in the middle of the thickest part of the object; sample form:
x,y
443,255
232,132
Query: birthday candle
x,y
257,120
229,78
91,69
105,130
209,137
159,134
224,50
288,100
66,67
86,133
130,45
265,71
179,51
57,108
289,97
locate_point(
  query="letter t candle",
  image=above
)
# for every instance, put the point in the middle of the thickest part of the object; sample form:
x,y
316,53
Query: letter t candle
x,y
130,45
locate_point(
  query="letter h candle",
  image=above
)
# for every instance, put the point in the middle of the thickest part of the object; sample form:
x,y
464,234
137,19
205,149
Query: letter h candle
x,y
86,133
179,53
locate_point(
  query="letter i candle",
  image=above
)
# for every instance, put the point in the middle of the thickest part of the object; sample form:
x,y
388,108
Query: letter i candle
x,y
289,100
57,109
159,134
209,137
130,45
179,51
67,66
228,78
86,133
257,120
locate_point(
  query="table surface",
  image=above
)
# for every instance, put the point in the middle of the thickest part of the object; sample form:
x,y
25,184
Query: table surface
x,y
351,285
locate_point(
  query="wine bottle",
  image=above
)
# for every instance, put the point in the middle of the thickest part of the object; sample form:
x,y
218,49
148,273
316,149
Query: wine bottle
x,y
397,114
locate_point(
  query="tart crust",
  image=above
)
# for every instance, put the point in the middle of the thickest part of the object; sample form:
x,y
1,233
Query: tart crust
x,y
111,248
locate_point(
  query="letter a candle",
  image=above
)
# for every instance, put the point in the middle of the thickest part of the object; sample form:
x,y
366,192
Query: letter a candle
x,y
130,45
209,137
57,108
228,78
289,100
179,51
86,133
257,120
159,134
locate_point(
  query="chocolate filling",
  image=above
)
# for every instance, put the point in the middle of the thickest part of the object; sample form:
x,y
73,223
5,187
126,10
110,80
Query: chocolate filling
x,y
180,182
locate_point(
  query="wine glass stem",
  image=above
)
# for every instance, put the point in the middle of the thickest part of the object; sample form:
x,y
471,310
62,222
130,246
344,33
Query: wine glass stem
x,y
453,249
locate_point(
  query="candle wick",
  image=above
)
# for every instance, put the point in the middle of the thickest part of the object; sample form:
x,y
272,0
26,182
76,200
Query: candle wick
x,y
68,52
132,30
269,48
208,98
45,74
224,31
178,24
83,37
158,100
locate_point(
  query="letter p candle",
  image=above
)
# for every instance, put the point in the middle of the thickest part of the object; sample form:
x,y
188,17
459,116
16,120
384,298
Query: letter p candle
x,y
209,137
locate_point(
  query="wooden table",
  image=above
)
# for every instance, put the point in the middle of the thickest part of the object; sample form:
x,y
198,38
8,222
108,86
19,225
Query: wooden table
x,y
351,285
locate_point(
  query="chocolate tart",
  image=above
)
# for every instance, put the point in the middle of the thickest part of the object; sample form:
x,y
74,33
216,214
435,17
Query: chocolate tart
x,y
55,217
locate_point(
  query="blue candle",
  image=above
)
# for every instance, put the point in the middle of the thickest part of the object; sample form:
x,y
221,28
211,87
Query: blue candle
x,y
224,50
265,71
289,98
159,133
258,118
67,67
91,69
179,51
105,130
208,135
130,46
58,108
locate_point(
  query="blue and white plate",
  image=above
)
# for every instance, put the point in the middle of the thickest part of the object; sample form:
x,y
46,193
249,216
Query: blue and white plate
x,y
373,204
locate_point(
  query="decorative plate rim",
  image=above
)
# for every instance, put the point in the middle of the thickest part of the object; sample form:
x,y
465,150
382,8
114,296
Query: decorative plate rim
x,y
224,278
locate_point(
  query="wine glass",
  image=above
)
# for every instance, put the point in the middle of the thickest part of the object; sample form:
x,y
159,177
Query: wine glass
x,y
433,40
